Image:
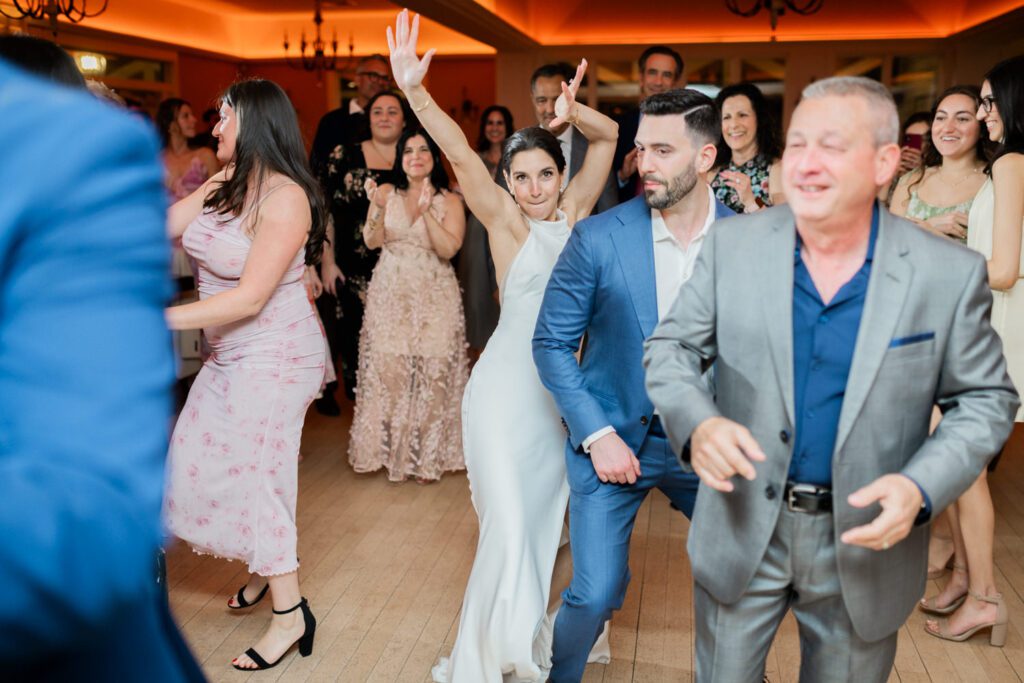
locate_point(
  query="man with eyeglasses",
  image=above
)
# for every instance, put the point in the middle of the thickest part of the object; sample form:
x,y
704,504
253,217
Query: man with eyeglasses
x,y
348,124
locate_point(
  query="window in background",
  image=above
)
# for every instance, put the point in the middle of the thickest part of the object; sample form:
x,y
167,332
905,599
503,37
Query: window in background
x,y
705,75
915,83
869,67
146,79
769,75
618,82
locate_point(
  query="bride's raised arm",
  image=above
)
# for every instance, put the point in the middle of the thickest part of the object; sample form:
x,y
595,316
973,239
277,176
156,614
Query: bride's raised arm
x,y
486,200
601,133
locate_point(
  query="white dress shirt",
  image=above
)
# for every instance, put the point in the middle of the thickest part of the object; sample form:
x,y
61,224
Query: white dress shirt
x,y
673,266
354,108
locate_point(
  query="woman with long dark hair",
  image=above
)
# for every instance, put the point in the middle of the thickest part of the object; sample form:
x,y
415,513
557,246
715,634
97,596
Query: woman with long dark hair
x,y
938,194
495,127
187,168
513,439
348,262
995,228
412,348
233,462
748,162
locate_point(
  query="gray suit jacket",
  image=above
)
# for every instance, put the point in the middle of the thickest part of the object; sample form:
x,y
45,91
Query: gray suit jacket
x,y
736,311
609,195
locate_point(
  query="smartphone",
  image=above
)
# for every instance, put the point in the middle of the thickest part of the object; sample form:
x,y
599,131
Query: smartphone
x,y
913,141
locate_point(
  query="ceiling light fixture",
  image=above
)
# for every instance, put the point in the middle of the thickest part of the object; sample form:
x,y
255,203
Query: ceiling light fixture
x,y
318,60
72,10
776,8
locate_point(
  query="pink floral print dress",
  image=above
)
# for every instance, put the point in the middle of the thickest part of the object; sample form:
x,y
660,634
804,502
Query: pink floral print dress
x,y
232,470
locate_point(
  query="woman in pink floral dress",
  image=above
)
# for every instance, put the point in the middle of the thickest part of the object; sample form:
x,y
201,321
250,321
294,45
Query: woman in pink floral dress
x,y
233,463
413,366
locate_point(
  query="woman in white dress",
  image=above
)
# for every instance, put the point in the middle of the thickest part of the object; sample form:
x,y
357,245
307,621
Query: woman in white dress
x,y
512,436
995,228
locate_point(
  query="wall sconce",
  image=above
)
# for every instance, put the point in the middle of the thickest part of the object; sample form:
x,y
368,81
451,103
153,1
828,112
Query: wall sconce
x,y
90,63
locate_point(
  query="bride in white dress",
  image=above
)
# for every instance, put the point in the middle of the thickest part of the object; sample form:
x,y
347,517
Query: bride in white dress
x,y
513,439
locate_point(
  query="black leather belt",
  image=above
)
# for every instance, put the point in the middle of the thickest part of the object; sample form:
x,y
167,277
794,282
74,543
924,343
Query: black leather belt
x,y
808,498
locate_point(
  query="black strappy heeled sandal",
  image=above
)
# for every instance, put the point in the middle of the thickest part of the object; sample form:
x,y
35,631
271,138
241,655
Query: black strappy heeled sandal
x,y
242,602
305,642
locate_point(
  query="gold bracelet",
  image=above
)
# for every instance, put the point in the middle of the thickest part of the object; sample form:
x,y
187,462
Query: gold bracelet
x,y
425,104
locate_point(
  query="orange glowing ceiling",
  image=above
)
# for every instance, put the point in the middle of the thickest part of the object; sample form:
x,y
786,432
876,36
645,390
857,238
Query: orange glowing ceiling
x,y
253,29
577,22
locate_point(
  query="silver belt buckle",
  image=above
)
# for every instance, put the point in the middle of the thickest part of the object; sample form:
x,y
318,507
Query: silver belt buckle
x,y
794,490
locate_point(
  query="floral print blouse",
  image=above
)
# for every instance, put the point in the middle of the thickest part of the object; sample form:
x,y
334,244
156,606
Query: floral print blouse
x,y
757,169
346,173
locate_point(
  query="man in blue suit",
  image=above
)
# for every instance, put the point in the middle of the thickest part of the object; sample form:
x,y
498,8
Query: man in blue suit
x,y
85,376
618,275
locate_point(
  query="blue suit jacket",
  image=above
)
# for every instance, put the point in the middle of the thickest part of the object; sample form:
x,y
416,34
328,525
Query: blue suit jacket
x,y
85,372
603,285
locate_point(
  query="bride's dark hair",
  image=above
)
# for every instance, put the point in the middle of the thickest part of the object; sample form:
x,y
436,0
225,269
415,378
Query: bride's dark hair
x,y
533,137
268,141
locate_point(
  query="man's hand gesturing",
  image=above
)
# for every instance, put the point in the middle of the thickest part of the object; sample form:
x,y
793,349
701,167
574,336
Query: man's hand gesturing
x,y
720,449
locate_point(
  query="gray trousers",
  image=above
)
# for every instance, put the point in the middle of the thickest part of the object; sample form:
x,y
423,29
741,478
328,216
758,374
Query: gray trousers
x,y
798,572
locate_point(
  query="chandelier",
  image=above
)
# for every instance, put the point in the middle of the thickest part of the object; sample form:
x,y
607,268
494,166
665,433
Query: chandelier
x,y
317,59
72,10
776,8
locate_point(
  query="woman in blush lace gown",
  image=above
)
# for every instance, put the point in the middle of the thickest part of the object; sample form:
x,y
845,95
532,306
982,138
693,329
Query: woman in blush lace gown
x,y
513,440
232,470
412,348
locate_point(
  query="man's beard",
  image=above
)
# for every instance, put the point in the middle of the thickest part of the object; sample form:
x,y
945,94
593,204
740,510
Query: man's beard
x,y
679,187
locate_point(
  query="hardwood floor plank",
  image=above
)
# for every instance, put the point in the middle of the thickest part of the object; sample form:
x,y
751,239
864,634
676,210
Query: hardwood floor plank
x,y
384,567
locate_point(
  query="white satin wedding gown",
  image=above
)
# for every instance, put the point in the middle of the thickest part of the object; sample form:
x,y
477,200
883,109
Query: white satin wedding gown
x,y
514,447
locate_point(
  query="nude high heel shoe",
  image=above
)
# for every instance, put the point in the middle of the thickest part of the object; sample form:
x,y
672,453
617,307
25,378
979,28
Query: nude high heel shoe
x,y
997,637
930,605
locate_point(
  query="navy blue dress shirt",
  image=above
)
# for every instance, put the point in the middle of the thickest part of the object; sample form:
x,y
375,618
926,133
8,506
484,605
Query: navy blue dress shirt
x,y
824,336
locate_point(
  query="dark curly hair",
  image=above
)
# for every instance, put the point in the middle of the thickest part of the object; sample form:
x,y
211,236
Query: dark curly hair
x,y
769,144
930,155
268,142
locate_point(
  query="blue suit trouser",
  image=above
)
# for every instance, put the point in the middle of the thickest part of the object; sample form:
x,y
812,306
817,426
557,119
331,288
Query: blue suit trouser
x,y
600,525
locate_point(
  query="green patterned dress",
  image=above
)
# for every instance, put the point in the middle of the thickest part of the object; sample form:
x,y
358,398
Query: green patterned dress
x,y
757,169
921,210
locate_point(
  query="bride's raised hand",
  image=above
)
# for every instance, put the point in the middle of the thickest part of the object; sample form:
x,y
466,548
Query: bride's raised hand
x,y
566,108
407,68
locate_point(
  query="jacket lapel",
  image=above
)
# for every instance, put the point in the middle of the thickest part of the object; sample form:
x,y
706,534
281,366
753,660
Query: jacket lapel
x,y
888,286
775,284
578,152
634,245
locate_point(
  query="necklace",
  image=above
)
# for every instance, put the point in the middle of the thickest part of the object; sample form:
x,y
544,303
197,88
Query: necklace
x,y
965,176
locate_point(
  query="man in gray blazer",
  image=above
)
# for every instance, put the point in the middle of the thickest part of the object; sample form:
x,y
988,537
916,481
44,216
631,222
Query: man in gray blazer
x,y
834,327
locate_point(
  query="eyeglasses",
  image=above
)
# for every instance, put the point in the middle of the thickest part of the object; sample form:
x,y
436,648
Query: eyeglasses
x,y
987,103
374,76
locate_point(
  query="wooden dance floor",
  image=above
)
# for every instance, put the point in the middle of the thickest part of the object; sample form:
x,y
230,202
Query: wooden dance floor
x,y
384,566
